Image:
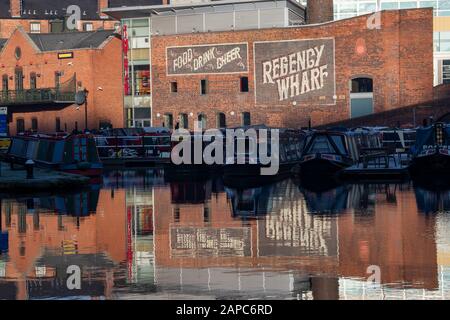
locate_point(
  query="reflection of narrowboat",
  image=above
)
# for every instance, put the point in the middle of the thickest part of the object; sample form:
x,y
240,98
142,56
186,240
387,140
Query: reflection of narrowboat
x,y
246,165
73,154
431,153
328,152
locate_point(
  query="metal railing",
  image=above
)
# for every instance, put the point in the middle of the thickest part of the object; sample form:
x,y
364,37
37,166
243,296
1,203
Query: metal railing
x,y
32,96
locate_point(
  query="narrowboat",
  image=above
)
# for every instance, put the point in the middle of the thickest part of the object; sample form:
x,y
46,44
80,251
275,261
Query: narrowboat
x,y
75,153
330,151
194,164
431,152
134,146
246,165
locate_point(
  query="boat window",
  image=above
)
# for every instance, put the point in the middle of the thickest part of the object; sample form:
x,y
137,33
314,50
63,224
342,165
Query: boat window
x,y
340,143
321,145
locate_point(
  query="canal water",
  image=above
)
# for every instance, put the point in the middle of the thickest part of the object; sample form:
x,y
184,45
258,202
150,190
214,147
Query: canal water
x,y
140,234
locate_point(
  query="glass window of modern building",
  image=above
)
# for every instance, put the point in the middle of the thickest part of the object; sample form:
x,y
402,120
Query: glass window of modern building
x,y
137,76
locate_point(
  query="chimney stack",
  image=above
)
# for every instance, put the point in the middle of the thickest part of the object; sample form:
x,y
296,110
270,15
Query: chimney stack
x,y
319,11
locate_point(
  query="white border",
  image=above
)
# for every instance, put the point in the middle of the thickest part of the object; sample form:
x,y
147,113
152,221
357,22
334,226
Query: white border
x,y
204,73
298,40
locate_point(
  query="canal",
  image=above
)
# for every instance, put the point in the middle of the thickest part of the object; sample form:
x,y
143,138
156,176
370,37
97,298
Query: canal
x,y
140,234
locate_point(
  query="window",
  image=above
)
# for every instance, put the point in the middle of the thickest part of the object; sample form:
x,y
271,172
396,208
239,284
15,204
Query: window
x,y
35,27
57,124
57,79
88,26
244,84
168,120
184,121
360,85
141,76
174,87
221,120
202,120
56,26
20,125
246,121
203,86
19,79
33,83
5,83
34,124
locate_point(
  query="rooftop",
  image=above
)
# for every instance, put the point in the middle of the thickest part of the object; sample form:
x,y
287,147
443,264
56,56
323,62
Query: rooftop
x,y
70,40
145,11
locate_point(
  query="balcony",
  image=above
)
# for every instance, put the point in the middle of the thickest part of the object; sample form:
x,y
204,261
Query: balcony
x,y
48,96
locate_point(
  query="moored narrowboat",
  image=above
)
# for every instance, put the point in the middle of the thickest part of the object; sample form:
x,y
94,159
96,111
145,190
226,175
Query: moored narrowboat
x,y
75,153
431,152
246,165
330,151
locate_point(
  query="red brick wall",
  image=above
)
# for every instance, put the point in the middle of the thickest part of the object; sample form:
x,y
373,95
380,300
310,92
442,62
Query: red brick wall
x,y
319,11
94,68
397,56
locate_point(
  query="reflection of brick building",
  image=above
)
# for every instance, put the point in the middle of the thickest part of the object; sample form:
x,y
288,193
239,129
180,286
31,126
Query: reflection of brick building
x,y
395,237
43,243
40,73
245,66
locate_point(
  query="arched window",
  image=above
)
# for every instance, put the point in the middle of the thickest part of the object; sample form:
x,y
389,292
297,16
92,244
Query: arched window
x,y
202,120
361,96
168,120
34,124
33,80
20,125
221,120
183,121
246,120
5,83
19,78
362,85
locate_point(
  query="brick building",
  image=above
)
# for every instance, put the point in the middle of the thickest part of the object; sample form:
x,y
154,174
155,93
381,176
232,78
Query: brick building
x,y
41,73
229,63
44,16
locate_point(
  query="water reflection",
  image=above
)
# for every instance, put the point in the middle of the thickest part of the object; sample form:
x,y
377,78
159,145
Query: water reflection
x,y
139,236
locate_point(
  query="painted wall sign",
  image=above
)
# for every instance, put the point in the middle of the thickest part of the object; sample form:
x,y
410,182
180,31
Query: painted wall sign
x,y
218,58
291,72
65,55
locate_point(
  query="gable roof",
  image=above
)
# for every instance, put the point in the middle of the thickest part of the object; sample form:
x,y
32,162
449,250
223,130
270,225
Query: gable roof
x,y
71,40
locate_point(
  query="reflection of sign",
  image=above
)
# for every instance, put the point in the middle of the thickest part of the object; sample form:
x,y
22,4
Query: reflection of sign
x,y
193,241
299,70
2,269
220,58
65,55
297,233
3,121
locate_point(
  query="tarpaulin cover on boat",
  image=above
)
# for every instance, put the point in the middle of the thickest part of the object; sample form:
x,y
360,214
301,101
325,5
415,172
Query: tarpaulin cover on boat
x,y
424,136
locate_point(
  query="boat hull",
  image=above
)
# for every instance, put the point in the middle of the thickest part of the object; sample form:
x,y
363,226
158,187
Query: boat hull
x,y
319,166
434,164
